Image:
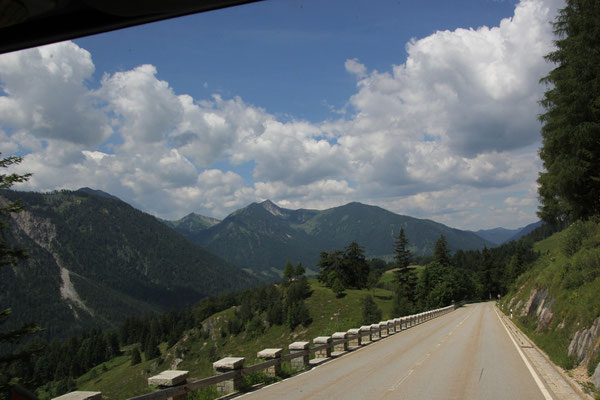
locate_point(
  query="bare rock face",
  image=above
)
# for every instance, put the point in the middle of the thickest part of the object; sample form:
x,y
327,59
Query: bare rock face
x,y
596,377
540,303
583,344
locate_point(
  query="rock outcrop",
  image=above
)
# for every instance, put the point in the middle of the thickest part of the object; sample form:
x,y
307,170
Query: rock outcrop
x,y
540,303
584,342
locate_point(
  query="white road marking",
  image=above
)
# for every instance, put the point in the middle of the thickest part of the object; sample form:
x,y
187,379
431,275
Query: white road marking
x,y
536,378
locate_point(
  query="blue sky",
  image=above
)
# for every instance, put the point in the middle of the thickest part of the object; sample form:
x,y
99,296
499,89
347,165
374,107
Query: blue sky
x,y
424,108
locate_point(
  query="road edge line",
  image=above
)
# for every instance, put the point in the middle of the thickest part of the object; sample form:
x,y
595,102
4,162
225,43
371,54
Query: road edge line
x,y
536,378
575,385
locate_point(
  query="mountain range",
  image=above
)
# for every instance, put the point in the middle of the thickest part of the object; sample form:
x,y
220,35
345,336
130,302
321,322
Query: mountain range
x,y
499,236
94,260
262,237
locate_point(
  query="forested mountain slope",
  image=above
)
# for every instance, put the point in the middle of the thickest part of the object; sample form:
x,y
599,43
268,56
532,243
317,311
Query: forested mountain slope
x,y
93,260
263,237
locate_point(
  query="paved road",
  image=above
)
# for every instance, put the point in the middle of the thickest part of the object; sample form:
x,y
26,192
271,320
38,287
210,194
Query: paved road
x,y
466,354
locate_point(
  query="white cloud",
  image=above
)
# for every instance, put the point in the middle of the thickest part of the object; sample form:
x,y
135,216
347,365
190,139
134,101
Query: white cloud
x,y
146,107
447,134
47,96
355,67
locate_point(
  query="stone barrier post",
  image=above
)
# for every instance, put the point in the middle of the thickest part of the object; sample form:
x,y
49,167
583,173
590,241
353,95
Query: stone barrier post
x,y
375,332
354,338
302,360
229,364
170,378
383,329
391,327
271,354
326,352
340,347
365,334
80,395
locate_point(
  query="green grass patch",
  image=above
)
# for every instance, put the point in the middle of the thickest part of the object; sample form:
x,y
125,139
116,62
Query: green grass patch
x,y
117,379
569,270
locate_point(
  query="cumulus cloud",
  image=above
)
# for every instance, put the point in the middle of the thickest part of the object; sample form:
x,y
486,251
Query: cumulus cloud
x,y
447,134
46,95
475,89
147,108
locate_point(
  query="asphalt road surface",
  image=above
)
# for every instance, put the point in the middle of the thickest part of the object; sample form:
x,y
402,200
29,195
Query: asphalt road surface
x,y
466,354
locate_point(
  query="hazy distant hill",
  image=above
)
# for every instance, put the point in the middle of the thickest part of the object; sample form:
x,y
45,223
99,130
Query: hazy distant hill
x,y
525,230
499,236
95,259
264,236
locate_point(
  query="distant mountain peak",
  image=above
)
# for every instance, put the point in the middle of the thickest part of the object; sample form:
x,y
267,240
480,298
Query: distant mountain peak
x,y
273,208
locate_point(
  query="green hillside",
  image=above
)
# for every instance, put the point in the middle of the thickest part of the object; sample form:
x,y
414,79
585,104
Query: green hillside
x,y
263,237
199,346
558,296
94,260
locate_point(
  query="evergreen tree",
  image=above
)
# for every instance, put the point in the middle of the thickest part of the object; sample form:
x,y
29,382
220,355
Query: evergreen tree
x,y
10,256
298,314
288,271
275,313
338,288
441,252
151,350
356,267
405,283
371,313
569,186
299,270
136,357
402,255
330,266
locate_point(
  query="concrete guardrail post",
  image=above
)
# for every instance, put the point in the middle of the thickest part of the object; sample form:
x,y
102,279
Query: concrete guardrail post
x,y
365,334
302,349
383,329
229,364
326,352
391,324
354,338
340,347
80,395
271,354
375,333
170,378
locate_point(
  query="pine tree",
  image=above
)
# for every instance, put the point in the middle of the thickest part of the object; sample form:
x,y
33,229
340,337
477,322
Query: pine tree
x,y
288,271
371,313
151,350
441,252
10,256
402,255
402,258
136,357
338,288
569,185
299,270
